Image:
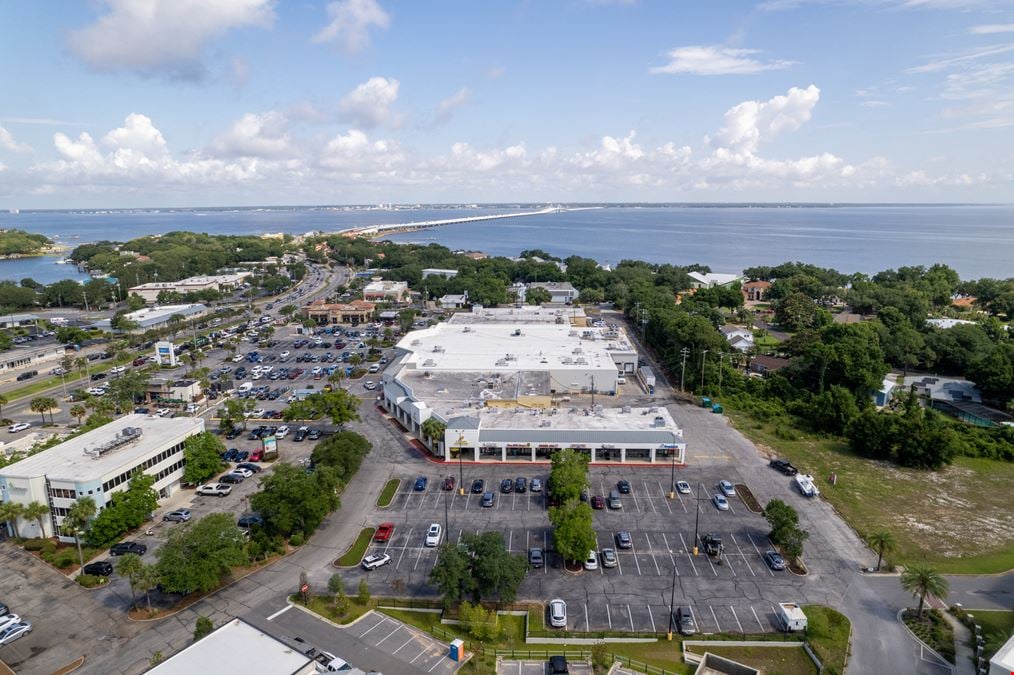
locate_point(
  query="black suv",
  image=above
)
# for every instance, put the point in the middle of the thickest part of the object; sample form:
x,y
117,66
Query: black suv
x,y
506,486
102,568
125,547
521,484
623,486
784,466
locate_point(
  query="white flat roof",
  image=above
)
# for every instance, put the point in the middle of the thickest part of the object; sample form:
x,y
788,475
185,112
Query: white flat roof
x,y
517,315
69,462
1004,657
236,647
154,313
486,346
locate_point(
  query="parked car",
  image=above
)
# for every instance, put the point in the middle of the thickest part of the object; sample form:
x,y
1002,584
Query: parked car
x,y
506,486
624,540
8,619
609,558
242,471
683,487
249,467
487,499
19,427
592,561
125,547
384,532
784,466
536,485
28,375
372,562
685,621
102,568
420,484
313,435
623,486
774,560
520,484
449,483
249,520
557,665
721,503
15,631
433,535
535,558
477,486
557,613
232,478
598,502
727,488
214,489
614,501
178,516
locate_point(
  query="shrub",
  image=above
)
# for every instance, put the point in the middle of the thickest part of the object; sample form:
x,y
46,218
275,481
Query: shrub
x,y
297,539
63,562
203,628
34,544
364,592
90,580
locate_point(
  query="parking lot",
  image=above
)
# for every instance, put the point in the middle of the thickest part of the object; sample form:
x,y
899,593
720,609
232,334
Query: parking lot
x,y
536,667
737,595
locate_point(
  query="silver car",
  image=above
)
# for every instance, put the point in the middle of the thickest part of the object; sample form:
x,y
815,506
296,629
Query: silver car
x,y
15,631
557,613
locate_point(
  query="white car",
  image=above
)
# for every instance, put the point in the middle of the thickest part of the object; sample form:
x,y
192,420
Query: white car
x,y
727,488
370,385
15,631
592,561
683,487
116,370
214,489
372,562
237,358
246,473
9,620
433,535
721,503
96,391
284,355
557,613
257,376
257,413
282,431
19,427
267,369
163,412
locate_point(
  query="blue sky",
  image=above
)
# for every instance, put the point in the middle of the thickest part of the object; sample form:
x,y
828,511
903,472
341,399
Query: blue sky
x,y
120,103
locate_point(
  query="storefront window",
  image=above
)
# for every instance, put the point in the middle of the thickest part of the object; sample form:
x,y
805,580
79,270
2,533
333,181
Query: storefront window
x,y
544,452
490,452
518,451
638,454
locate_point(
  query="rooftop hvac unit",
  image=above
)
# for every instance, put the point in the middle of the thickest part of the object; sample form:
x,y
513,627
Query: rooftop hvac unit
x,y
653,409
577,350
427,374
517,332
416,343
545,423
429,363
544,360
580,361
573,333
626,409
438,348
658,422
128,435
466,329
567,360
501,363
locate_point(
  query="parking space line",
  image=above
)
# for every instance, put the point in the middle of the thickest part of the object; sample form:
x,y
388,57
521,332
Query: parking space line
x,y
418,557
545,551
651,552
633,551
728,561
403,645
757,618
403,549
435,664
665,496
672,556
652,618
630,616
748,565
514,500
280,612
767,567
736,617
633,493
396,629
715,617
650,500
587,626
690,557
510,539
382,620
609,616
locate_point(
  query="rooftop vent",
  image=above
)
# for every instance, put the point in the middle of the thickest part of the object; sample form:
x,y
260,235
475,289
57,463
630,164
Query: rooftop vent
x,y
438,348
626,409
429,363
658,422
517,332
466,329
128,435
416,343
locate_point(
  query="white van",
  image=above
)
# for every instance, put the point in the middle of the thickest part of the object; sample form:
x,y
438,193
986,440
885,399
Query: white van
x,y
245,387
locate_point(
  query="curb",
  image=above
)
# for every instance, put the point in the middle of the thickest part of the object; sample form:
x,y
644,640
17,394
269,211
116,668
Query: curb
x,y
944,662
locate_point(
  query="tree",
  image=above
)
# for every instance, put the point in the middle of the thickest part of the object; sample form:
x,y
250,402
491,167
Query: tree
x,y
42,405
434,429
882,541
497,573
344,452
537,295
78,411
338,405
141,576
363,596
203,628
572,530
568,476
292,500
127,510
234,411
202,455
452,574
796,312
10,512
923,580
76,521
780,517
3,402
36,511
135,302
197,554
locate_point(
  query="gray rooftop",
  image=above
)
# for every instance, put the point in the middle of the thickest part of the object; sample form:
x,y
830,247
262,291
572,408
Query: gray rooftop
x,y
69,461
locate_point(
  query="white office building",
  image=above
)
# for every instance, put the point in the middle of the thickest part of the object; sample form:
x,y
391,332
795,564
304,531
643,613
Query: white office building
x,y
518,384
438,272
218,282
98,464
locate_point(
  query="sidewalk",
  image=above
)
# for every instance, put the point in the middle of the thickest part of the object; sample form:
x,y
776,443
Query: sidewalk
x,y
964,655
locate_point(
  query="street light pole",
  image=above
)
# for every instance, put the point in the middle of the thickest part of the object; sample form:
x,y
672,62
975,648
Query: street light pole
x,y
672,594
697,518
447,528
685,352
672,473
702,371
461,467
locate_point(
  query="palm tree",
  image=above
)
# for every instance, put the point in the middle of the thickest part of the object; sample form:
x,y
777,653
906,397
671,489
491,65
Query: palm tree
x,y
76,521
78,411
882,542
10,512
40,405
51,405
81,363
102,406
434,429
923,580
3,402
36,511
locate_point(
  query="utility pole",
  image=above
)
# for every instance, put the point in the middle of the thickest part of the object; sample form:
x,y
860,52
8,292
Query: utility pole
x,y
697,519
685,352
721,357
702,371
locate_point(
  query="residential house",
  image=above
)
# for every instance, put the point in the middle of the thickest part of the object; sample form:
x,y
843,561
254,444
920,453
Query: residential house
x,y
755,291
739,338
763,364
710,280
451,301
561,292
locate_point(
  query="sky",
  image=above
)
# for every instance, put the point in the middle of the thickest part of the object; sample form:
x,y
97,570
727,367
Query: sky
x,y
158,103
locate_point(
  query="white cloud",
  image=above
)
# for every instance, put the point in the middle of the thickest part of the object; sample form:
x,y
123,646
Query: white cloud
x,y
447,107
874,103
162,36
946,62
350,23
355,155
716,60
7,142
369,104
992,28
750,122
256,135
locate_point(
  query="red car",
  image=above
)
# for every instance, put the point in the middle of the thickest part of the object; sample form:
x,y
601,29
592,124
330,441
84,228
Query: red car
x,y
598,503
449,483
384,532
256,455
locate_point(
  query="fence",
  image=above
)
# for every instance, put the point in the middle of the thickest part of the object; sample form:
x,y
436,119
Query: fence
x,y
544,654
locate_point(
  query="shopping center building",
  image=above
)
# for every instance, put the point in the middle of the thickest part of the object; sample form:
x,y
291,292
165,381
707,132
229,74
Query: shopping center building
x,y
518,384
98,464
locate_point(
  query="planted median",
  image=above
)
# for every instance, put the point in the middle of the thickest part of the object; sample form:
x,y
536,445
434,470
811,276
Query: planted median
x,y
355,554
387,494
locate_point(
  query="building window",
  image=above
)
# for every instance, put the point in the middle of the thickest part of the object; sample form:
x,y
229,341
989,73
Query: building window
x,y
638,454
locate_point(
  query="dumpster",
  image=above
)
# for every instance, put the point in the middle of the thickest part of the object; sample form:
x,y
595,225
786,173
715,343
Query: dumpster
x,y
705,402
717,409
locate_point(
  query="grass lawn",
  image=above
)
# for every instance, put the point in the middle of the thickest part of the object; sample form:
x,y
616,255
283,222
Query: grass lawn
x,y
324,605
828,633
930,513
994,621
355,554
781,660
387,494
766,342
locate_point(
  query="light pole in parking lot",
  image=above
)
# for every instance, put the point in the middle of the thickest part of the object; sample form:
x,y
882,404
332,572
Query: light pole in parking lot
x,y
672,474
672,593
461,466
697,518
447,527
